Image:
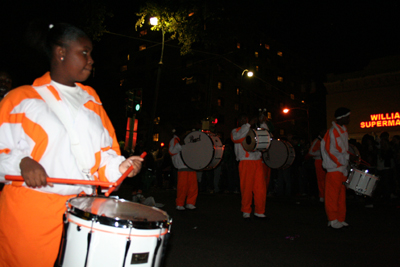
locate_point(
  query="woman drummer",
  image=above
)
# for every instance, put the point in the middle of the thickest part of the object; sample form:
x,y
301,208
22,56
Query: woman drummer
x,y
55,128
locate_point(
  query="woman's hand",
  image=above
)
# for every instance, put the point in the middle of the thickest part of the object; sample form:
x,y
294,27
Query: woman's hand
x,y
33,173
134,161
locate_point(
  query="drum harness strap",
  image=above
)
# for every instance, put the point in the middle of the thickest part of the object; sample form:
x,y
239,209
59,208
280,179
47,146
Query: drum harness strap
x,y
89,239
66,120
128,243
159,240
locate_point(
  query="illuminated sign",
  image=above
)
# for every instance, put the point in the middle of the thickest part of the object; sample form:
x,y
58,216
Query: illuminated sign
x,y
382,120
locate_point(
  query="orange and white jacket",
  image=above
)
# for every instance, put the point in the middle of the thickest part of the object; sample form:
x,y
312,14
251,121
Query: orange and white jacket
x,y
237,136
29,128
175,151
334,149
315,149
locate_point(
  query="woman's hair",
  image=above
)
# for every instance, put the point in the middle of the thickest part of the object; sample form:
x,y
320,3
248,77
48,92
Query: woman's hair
x,y
45,37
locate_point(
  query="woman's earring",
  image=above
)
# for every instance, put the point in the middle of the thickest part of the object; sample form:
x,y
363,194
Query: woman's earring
x,y
62,58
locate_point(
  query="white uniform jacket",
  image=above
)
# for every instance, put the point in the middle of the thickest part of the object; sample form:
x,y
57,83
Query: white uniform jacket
x,y
315,149
29,128
175,151
237,136
334,149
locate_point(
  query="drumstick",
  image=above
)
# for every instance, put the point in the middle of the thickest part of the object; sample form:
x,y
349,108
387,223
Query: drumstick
x,y
361,161
62,181
121,179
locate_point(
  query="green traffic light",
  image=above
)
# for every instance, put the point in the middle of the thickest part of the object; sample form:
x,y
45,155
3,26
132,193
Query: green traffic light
x,y
137,107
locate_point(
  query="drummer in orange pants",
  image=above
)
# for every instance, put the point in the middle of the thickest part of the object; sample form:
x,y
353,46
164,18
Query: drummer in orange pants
x,y
335,159
58,128
315,152
252,172
187,186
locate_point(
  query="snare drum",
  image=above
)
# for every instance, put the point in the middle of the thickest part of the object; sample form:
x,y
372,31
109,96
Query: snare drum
x,y
113,232
361,182
280,154
257,140
202,150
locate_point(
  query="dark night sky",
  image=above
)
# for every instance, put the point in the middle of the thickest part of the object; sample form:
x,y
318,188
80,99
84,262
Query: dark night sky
x,y
336,36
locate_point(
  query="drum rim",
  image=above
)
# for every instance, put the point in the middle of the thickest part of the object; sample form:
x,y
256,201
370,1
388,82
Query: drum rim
x,y
213,153
116,222
286,143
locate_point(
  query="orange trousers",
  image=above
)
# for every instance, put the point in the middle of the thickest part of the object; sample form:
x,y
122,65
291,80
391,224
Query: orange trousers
x,y
252,175
30,227
320,173
187,188
335,196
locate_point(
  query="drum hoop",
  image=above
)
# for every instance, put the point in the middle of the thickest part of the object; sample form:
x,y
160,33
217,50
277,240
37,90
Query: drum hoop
x,y
212,158
116,222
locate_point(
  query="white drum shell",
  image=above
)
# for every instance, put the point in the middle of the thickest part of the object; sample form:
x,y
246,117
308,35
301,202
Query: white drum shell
x,y
361,182
202,150
108,244
257,140
280,154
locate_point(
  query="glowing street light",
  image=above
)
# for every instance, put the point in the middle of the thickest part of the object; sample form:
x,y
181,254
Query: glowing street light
x,y
249,73
154,21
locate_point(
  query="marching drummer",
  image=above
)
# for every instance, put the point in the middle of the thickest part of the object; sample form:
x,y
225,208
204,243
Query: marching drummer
x,y
187,187
335,160
55,128
252,171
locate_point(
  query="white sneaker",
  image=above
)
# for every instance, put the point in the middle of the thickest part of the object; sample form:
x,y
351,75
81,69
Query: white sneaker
x,y
180,208
321,199
335,224
190,206
345,224
260,215
246,215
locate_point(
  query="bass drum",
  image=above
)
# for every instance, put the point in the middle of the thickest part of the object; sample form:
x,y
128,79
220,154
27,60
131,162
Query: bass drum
x,y
257,140
202,150
280,155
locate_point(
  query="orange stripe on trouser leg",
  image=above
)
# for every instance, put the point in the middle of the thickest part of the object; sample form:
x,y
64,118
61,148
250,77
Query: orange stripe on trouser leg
x,y
252,180
320,173
335,196
187,189
31,227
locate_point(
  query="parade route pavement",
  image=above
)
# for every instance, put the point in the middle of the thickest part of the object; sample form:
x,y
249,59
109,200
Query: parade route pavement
x,y
296,233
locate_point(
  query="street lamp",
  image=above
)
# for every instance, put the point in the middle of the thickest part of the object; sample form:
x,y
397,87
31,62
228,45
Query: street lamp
x,y
249,73
154,22
286,111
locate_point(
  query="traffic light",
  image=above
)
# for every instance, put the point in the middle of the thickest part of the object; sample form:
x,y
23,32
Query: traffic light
x,y
133,101
137,102
129,102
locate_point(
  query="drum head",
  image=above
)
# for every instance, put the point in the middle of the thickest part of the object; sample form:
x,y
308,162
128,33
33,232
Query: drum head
x,y
198,151
249,142
277,154
117,212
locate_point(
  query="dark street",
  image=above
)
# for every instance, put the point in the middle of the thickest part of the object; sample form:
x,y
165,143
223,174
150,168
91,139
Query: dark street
x,y
296,233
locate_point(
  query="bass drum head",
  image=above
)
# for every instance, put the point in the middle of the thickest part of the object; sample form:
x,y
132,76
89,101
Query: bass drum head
x,y
277,155
112,212
198,151
249,142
